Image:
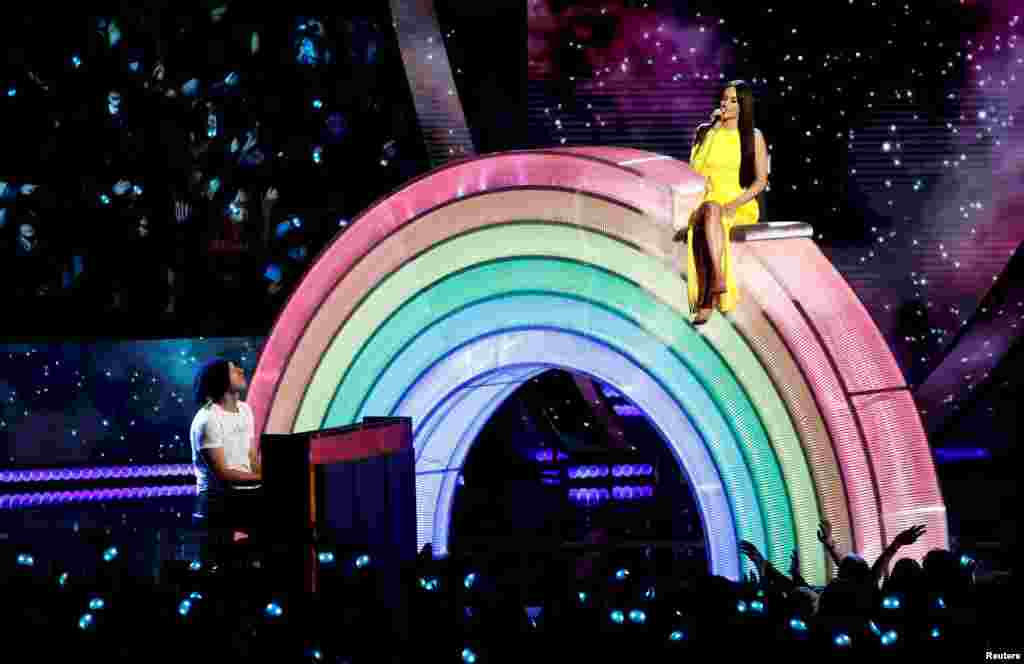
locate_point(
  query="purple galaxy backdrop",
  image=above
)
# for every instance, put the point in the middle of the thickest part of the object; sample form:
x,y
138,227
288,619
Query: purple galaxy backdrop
x,y
892,129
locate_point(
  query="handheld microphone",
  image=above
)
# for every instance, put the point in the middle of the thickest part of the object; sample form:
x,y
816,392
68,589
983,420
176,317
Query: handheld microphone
x,y
716,115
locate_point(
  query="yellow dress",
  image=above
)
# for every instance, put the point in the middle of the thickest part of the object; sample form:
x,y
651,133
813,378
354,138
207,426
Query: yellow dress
x,y
719,160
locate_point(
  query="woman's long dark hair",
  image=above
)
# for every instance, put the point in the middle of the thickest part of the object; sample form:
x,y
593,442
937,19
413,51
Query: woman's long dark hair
x,y
745,98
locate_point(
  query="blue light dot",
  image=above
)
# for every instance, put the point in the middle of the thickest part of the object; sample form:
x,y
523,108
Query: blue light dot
x,y
622,574
637,616
890,638
62,579
362,561
935,633
326,557
273,610
110,554
85,621
617,617
26,560
96,603
797,625
676,636
195,565
469,580
184,607
741,607
468,656
842,640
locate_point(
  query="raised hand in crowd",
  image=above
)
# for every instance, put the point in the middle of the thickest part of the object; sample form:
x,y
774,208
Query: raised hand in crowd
x,y
905,538
755,556
825,537
182,212
270,199
910,535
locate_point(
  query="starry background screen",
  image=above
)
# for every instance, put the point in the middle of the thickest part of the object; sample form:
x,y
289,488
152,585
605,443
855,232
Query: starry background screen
x,y
891,128
105,402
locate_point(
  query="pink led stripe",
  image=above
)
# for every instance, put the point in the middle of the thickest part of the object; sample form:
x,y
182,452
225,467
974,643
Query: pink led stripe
x,y
459,218
855,345
781,363
659,168
27,500
907,479
858,348
861,495
442,185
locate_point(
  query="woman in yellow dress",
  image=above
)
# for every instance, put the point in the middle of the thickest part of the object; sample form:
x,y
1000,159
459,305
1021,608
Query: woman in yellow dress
x,y
733,158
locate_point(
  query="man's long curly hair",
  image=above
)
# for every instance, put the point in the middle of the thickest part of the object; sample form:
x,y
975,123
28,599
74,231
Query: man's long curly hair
x,y
212,381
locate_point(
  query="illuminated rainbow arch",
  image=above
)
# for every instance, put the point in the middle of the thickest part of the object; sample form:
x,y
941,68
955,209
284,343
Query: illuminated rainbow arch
x,y
442,298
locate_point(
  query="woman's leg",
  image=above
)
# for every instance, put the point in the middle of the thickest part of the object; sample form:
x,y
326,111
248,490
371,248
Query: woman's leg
x,y
716,242
702,263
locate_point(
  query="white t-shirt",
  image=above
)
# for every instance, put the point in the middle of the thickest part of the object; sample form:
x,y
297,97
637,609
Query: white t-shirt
x,y
215,427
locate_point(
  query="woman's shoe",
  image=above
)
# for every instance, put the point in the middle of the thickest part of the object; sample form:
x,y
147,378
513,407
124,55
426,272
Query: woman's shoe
x,y
702,316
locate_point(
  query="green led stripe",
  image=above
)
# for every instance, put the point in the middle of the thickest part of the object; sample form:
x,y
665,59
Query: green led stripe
x,y
451,254
789,453
625,300
541,239
544,310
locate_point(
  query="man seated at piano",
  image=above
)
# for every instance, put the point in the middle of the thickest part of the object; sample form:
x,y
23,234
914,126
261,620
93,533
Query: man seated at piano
x,y
224,456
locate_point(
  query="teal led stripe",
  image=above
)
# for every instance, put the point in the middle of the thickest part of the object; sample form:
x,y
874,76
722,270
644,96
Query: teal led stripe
x,y
658,359
508,350
564,275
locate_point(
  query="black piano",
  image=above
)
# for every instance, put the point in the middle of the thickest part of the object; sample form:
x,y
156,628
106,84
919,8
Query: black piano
x,y
348,489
